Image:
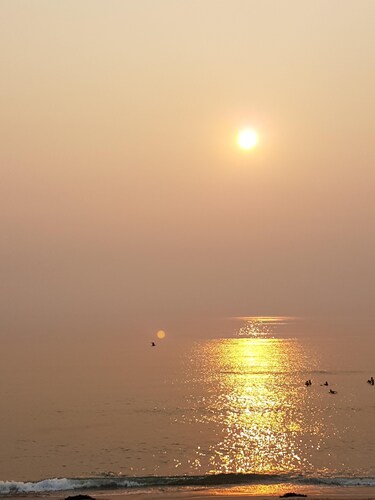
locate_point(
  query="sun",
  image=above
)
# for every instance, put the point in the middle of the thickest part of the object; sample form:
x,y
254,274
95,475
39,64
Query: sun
x,y
247,138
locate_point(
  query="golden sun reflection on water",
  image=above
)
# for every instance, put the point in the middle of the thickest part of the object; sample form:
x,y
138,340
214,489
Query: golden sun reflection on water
x,y
254,404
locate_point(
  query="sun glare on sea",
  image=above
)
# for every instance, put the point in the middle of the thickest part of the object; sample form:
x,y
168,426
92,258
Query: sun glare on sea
x,y
255,404
247,139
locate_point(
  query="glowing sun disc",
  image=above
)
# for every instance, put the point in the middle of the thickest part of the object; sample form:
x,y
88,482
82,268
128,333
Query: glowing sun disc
x,y
247,139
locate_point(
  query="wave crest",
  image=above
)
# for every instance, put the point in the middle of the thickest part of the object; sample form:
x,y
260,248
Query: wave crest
x,y
114,482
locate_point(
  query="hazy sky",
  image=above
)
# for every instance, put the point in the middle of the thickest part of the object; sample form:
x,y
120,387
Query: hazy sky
x,y
123,194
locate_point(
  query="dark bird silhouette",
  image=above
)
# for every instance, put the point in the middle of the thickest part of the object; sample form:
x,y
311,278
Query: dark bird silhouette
x,y
332,392
153,344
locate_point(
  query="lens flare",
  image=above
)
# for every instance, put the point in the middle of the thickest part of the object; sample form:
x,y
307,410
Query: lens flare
x,y
160,334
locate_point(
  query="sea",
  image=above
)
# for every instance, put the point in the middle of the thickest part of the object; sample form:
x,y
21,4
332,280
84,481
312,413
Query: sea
x,y
222,406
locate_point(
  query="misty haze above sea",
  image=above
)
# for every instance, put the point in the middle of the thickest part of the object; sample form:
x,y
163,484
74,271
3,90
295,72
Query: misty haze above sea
x,y
117,409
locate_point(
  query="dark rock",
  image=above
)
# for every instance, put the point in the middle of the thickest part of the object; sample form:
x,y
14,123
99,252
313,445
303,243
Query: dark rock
x,y
289,495
80,497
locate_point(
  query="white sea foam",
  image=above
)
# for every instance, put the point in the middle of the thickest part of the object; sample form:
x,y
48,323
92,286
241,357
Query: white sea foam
x,y
61,484
66,484
347,481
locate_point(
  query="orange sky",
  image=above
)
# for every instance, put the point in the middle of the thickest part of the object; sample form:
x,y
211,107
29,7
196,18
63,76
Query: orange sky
x,y
123,194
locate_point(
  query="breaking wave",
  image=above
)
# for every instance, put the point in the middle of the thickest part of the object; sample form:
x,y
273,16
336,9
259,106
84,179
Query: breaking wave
x,y
122,482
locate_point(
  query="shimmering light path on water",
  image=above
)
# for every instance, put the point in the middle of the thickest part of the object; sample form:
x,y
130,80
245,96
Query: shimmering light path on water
x,y
256,405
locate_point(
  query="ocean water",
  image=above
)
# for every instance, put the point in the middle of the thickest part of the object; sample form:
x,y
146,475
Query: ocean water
x,y
204,410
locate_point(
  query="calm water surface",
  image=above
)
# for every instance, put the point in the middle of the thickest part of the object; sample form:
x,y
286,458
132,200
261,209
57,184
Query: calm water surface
x,y
72,408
